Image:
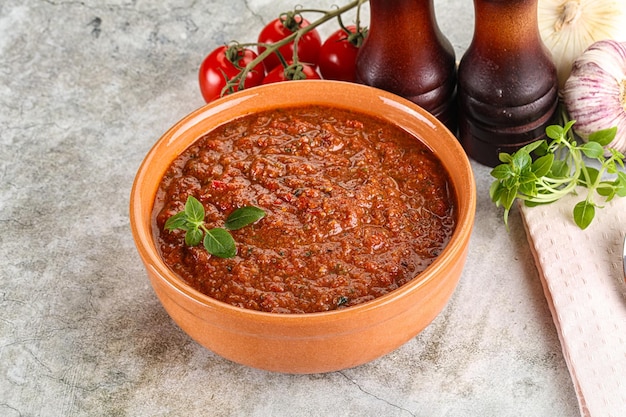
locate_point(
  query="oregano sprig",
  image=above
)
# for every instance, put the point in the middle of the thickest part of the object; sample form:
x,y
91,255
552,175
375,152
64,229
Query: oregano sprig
x,y
217,241
558,167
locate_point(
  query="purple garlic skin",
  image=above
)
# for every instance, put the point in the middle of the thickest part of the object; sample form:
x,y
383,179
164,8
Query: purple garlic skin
x,y
595,92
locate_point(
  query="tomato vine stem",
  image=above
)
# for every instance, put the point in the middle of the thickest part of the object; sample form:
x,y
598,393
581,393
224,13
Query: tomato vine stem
x,y
273,48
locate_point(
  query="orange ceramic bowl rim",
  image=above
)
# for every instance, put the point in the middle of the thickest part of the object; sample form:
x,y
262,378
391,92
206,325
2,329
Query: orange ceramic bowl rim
x,y
339,94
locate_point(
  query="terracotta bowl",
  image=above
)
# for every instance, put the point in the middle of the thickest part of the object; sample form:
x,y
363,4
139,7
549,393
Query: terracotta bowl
x,y
316,342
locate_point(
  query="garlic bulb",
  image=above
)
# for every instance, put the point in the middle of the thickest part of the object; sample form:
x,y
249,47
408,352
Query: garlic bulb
x,y
568,27
595,92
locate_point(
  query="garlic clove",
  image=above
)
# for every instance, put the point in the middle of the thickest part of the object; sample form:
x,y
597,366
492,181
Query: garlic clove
x,y
595,92
568,27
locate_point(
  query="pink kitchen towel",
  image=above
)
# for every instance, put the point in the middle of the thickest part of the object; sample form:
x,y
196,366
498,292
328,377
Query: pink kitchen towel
x,y
583,280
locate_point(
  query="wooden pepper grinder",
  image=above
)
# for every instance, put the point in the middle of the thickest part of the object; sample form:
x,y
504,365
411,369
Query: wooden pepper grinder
x,y
508,88
405,53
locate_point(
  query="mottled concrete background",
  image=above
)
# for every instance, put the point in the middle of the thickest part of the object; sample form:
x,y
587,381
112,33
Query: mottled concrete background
x,y
86,87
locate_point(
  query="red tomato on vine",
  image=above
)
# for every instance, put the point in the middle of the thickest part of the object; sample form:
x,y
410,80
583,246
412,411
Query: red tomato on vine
x,y
292,72
308,47
223,64
337,58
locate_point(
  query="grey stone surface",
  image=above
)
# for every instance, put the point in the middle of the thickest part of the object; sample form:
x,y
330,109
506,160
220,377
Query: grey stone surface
x,y
86,88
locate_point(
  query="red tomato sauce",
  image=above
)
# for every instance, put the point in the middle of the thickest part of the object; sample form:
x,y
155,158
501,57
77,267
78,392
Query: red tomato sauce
x,y
356,207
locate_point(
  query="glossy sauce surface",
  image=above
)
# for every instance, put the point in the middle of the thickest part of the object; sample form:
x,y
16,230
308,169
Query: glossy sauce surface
x,y
356,207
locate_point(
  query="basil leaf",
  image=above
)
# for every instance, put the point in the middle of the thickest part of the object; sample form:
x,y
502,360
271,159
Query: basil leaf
x,y
522,160
603,137
194,210
593,175
606,190
508,197
243,216
220,243
542,166
193,237
560,169
554,131
177,221
532,146
495,192
528,184
593,150
502,171
620,184
505,157
584,212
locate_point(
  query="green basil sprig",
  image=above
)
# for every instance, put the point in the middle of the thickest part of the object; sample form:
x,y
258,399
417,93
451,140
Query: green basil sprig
x,y
560,167
217,241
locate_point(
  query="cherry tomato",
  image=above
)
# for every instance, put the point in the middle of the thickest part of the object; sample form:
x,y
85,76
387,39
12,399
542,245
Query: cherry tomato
x,y
308,46
292,72
223,63
337,59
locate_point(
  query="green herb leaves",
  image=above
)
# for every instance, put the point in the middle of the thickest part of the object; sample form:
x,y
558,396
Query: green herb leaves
x,y
243,217
217,241
557,169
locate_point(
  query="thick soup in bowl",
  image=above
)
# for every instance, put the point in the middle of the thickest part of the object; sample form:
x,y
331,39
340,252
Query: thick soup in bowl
x,y
355,207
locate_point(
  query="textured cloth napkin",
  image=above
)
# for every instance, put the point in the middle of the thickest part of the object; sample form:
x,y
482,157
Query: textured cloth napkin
x,y
583,280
